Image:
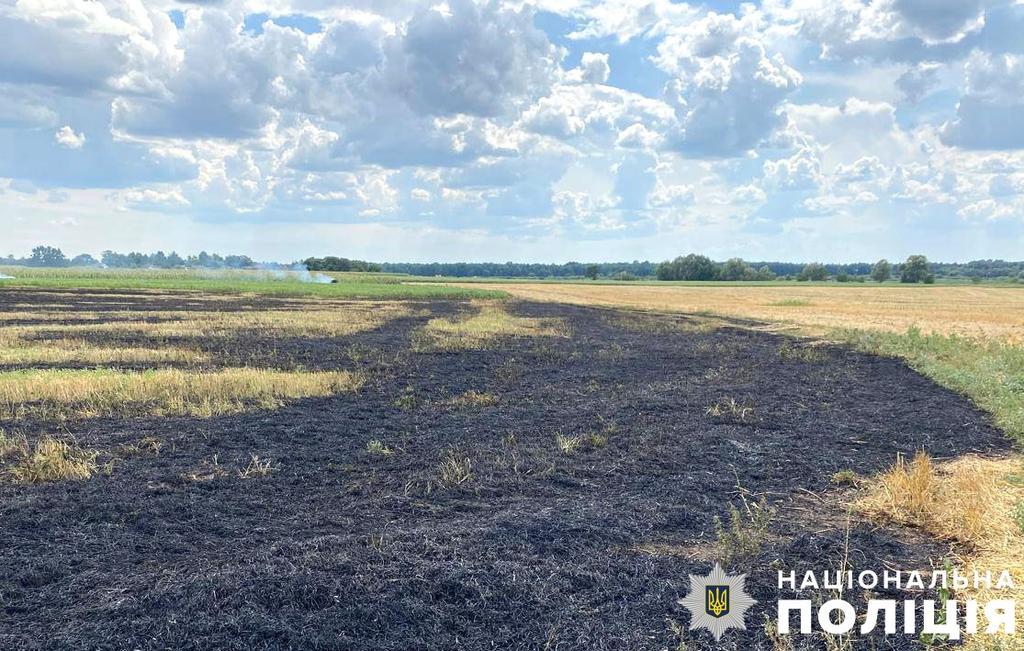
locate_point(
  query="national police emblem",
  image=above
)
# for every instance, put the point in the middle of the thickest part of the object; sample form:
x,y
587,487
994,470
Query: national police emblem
x,y
717,601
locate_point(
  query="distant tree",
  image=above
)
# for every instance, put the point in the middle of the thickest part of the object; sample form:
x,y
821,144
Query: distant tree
x,y
692,267
174,260
765,273
915,270
238,261
666,270
204,260
333,263
47,256
842,277
813,271
84,260
736,269
882,271
592,271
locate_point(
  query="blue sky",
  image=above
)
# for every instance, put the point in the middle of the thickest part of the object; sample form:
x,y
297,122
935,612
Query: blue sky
x,y
543,130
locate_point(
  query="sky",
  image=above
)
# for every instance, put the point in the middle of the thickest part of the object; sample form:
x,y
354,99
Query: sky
x,y
526,130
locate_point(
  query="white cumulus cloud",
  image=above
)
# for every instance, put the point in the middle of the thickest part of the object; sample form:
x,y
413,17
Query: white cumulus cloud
x,y
66,137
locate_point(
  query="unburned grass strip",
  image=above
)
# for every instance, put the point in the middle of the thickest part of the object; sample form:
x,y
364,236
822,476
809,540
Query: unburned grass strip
x,y
16,350
490,321
61,394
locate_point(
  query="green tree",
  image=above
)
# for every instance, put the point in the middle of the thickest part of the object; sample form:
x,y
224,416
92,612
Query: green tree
x,y
915,270
882,271
736,269
813,271
692,267
84,260
592,271
47,256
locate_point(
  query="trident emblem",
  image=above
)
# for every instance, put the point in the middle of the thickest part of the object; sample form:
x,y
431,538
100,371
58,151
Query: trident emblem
x,y
716,600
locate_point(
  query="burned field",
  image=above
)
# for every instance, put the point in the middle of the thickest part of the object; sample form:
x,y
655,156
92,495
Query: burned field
x,y
285,473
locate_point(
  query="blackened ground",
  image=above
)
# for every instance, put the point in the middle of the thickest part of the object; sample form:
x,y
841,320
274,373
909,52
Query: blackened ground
x,y
340,548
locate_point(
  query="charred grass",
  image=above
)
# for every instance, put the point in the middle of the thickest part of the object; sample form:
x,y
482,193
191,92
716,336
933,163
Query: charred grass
x,y
566,512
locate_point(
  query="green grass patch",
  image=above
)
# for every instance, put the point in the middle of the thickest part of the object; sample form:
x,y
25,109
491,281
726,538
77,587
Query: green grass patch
x,y
989,372
349,285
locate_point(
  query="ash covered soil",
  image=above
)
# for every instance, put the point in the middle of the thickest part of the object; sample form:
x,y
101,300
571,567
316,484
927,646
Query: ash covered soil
x,y
343,548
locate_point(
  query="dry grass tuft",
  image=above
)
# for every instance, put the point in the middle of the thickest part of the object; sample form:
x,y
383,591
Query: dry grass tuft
x,y
596,439
377,447
729,408
60,394
846,478
256,468
147,446
207,471
568,444
473,398
52,460
11,445
407,400
971,501
475,332
593,440
454,470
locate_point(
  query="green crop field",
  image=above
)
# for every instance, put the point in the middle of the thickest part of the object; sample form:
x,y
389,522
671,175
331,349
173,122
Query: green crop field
x,y
277,283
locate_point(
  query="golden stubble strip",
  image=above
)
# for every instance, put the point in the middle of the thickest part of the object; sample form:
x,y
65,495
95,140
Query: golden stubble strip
x,y
320,322
16,350
975,502
965,310
63,394
490,321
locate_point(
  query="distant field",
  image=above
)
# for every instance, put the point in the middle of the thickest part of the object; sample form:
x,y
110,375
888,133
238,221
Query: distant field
x,y
966,310
279,283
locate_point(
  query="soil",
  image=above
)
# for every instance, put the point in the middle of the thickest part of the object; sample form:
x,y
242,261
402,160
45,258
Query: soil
x,y
342,548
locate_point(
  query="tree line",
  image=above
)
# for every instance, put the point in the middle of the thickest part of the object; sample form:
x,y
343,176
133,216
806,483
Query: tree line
x,y
332,263
690,267
695,267
49,256
623,270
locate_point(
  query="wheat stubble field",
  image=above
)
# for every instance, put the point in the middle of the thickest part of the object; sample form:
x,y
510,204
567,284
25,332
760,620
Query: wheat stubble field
x,y
990,312
247,470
